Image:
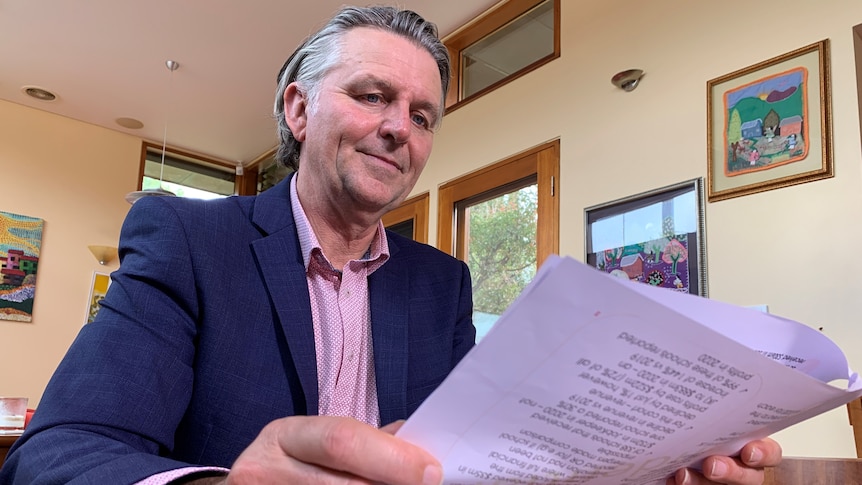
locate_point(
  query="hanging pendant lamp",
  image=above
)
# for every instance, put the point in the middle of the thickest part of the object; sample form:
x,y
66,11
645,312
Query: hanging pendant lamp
x,y
135,196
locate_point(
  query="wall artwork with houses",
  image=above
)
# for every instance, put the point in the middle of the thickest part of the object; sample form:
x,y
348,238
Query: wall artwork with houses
x,y
20,243
765,122
662,262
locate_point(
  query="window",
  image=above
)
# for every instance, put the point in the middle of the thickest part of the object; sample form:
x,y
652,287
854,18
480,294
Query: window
x,y
186,174
505,43
410,219
271,173
503,221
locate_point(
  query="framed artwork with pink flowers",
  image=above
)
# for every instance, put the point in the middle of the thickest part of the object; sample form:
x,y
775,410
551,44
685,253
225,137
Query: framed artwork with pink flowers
x,y
656,237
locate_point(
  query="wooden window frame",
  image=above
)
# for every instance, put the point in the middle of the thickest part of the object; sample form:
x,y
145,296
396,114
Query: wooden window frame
x,y
486,24
246,184
256,167
415,208
242,183
542,161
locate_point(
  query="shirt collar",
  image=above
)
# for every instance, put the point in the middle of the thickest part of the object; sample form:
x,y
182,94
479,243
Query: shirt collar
x,y
376,255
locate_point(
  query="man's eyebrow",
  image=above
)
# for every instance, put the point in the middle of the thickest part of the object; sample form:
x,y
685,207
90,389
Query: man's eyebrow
x,y
376,83
371,83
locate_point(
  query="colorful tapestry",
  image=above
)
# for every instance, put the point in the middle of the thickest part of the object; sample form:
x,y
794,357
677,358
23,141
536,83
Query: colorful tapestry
x,y
661,262
766,123
20,242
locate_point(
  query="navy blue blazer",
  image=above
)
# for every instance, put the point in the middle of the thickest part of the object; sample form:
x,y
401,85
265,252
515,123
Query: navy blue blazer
x,y
205,336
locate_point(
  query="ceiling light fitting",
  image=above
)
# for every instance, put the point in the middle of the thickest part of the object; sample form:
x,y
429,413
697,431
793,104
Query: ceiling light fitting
x,y
39,93
133,197
129,123
627,80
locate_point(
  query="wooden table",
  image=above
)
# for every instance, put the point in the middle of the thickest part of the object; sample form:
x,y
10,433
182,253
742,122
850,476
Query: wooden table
x,y
815,471
5,444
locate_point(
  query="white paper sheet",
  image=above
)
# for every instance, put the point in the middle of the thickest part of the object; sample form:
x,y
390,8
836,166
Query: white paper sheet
x,y
589,379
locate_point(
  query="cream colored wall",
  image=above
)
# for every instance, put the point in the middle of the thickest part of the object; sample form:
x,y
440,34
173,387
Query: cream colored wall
x,y
74,176
793,248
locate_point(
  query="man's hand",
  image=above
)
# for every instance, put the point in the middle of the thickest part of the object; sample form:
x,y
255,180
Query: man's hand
x,y
747,469
332,450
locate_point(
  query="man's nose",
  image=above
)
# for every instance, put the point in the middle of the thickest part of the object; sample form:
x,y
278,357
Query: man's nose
x,y
396,123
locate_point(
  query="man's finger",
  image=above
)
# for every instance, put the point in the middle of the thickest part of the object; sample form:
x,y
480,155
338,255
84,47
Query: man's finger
x,y
731,471
348,445
765,452
393,428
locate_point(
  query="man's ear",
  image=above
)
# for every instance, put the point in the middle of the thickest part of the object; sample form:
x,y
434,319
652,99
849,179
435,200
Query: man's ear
x,y
295,105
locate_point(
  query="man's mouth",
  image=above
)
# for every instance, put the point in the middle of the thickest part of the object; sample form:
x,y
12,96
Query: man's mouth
x,y
384,159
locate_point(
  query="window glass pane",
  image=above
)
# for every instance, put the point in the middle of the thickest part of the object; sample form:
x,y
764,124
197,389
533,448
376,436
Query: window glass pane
x,y
500,235
270,174
404,228
513,47
677,215
187,179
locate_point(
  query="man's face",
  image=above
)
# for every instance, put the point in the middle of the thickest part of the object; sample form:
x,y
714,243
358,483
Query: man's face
x,y
367,137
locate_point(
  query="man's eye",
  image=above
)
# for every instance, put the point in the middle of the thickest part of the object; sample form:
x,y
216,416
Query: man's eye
x,y
372,98
420,120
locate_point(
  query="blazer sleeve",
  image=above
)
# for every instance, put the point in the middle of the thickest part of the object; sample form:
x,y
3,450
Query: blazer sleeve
x,y
118,395
465,331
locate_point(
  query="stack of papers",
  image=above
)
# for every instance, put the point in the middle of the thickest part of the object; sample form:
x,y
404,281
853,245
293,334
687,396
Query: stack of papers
x,y
590,379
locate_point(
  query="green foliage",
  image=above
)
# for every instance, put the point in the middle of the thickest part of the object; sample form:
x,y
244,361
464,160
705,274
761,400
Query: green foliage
x,y
655,278
25,306
151,184
502,248
734,127
667,227
653,248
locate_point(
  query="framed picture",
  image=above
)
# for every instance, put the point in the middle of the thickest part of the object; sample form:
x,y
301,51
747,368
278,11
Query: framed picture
x,y
657,237
20,248
98,290
770,125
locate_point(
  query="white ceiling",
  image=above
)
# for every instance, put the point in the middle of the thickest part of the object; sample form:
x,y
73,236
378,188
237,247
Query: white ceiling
x,y
105,59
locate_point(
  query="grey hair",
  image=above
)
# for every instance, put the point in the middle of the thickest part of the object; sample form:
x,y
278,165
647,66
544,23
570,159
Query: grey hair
x,y
313,59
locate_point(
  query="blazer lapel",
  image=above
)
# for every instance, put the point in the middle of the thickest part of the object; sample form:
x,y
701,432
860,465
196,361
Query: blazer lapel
x,y
279,259
388,292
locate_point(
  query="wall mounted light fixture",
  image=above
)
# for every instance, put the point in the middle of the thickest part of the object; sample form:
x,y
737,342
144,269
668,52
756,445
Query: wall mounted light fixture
x,y
104,254
627,80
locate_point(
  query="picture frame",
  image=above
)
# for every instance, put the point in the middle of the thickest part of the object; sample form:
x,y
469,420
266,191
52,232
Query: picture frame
x,y
20,250
656,237
98,289
769,125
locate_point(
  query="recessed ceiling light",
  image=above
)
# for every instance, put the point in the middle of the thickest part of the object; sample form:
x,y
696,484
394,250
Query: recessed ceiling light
x,y
39,93
129,123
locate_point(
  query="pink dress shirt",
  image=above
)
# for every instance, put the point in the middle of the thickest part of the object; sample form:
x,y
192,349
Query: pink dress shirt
x,y
341,314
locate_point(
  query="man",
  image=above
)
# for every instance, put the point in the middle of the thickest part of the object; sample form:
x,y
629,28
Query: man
x,y
265,339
